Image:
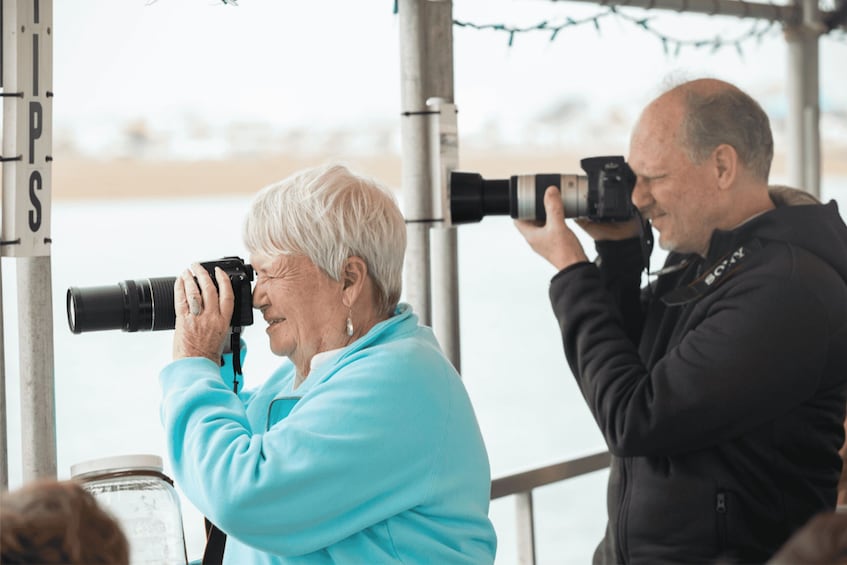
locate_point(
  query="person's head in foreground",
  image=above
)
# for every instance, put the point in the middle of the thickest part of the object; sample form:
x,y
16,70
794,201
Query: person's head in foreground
x,y
56,522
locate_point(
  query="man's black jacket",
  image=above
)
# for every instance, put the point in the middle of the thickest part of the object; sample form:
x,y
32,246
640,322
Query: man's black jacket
x,y
720,389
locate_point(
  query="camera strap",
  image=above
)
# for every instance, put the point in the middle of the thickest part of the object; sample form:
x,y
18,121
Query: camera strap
x,y
719,272
645,235
235,347
213,553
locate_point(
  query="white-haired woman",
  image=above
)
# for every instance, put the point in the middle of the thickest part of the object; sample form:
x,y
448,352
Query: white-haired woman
x,y
364,447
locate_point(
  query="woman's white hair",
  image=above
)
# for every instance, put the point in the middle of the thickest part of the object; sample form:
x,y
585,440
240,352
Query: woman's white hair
x,y
328,214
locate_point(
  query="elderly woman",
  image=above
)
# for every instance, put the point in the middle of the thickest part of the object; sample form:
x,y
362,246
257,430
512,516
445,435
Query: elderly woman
x,y
363,447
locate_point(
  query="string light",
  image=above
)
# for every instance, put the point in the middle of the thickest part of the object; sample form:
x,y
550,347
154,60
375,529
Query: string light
x,y
670,45
756,32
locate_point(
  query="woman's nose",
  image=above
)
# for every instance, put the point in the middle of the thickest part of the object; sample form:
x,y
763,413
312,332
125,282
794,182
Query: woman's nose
x,y
259,298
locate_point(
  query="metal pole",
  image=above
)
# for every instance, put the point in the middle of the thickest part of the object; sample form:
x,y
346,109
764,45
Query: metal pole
x,y
444,260
4,418
27,179
4,444
414,132
38,405
525,517
445,293
444,157
803,127
426,54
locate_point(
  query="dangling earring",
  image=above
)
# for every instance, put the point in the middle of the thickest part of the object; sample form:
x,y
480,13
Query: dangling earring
x,y
349,323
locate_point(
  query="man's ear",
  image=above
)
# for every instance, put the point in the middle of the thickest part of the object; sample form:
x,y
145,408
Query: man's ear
x,y
353,279
725,160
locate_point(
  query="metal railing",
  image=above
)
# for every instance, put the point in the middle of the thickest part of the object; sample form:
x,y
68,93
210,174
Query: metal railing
x,y
521,485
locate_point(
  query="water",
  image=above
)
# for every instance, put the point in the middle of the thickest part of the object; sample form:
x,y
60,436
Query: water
x,y
107,392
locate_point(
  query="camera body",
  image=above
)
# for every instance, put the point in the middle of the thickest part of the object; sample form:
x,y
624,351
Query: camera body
x,y
148,304
240,276
610,186
603,194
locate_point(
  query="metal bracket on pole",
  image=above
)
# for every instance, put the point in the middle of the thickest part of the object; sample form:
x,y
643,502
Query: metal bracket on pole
x,y
443,160
444,155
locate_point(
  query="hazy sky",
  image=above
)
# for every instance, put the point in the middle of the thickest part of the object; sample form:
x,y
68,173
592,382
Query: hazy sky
x,y
334,63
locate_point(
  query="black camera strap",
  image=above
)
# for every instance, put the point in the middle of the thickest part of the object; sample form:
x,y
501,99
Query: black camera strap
x,y
235,347
213,553
645,233
713,276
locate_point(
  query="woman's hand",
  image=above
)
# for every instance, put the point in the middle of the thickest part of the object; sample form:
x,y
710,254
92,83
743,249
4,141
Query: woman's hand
x,y
203,314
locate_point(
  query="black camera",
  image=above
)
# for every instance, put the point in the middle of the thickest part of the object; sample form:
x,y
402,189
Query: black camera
x,y
148,304
603,194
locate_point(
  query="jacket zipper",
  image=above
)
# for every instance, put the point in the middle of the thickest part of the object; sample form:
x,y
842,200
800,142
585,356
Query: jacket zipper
x,y
720,509
623,512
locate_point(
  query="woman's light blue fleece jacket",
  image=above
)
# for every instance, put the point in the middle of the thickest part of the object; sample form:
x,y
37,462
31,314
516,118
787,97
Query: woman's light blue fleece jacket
x,y
375,458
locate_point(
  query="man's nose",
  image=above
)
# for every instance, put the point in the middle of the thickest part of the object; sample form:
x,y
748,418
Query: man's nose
x,y
641,197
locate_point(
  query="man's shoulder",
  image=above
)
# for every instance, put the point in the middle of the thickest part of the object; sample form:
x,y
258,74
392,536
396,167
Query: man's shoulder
x,y
790,261
782,275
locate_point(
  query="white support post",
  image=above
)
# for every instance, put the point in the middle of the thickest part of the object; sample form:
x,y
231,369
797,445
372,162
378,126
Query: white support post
x,y
4,417
414,131
27,178
38,398
444,158
4,433
525,517
426,56
803,128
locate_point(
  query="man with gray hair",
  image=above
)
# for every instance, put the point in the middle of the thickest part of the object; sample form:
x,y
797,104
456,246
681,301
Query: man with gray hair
x,y
721,387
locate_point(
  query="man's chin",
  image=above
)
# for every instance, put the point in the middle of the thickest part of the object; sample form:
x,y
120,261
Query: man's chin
x,y
675,247
666,244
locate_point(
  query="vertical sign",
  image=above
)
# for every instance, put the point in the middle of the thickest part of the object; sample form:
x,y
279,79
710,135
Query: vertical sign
x,y
27,127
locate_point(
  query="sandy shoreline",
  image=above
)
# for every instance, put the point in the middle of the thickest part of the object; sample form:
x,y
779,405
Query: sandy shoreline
x,y
85,178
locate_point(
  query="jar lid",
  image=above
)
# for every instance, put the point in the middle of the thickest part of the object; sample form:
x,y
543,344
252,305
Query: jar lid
x,y
137,462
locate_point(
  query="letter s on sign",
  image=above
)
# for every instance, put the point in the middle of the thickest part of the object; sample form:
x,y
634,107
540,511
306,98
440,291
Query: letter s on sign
x,y
35,213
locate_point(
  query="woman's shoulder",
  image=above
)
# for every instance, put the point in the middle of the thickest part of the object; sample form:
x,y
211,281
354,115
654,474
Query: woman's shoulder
x,y
410,360
416,351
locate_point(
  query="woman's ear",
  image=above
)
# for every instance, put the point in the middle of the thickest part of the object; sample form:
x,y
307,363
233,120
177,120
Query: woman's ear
x,y
353,279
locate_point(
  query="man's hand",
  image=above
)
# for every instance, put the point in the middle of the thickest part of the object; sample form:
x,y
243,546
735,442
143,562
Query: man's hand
x,y
823,540
553,240
603,231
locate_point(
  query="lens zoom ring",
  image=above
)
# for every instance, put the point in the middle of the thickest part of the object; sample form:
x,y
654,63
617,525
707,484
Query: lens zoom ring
x,y
162,298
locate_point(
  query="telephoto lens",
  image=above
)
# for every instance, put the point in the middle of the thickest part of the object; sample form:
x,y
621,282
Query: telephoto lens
x,y
148,304
131,306
602,194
